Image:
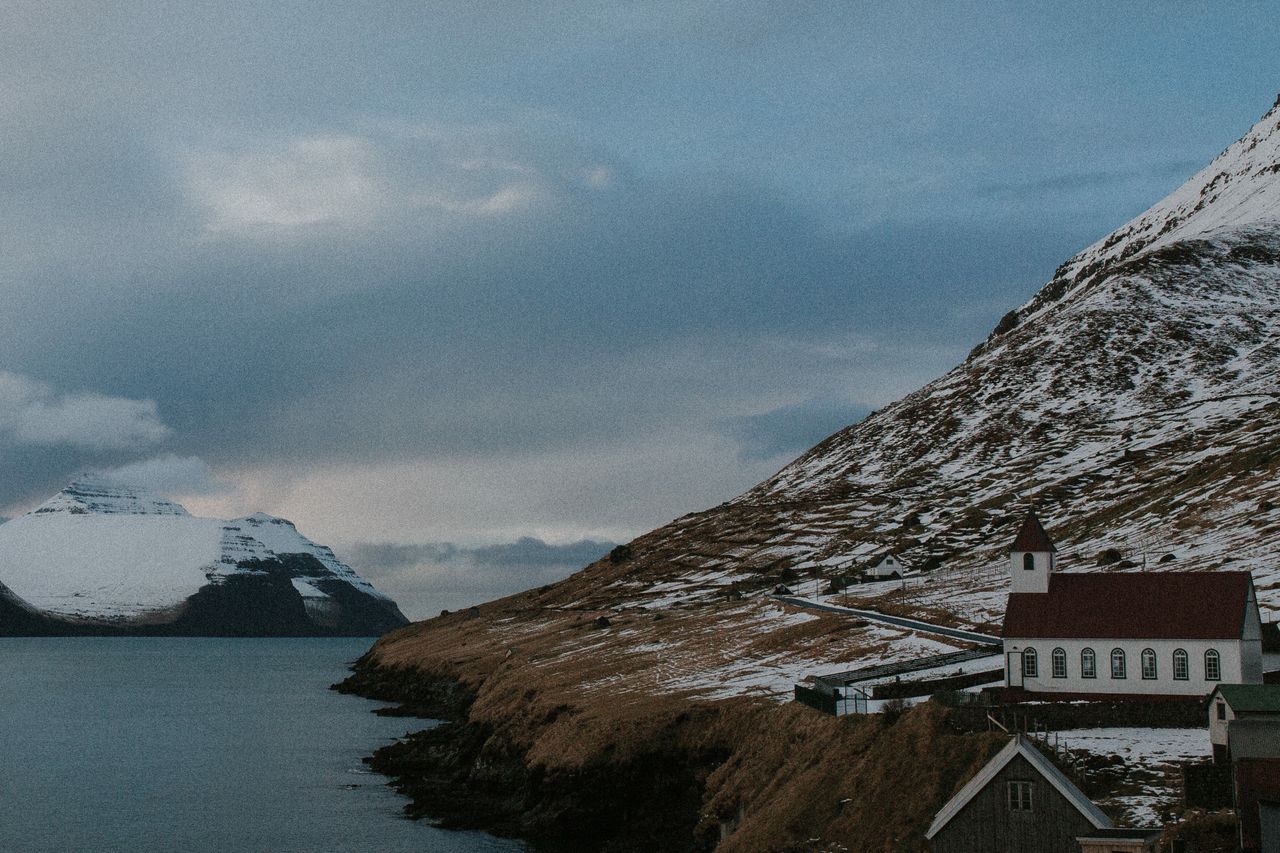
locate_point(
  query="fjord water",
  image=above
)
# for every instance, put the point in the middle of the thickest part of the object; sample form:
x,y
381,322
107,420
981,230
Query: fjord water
x,y
197,744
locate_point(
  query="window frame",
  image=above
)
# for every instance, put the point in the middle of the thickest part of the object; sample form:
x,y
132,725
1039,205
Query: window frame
x,y
1058,662
1018,796
1212,655
1118,656
1089,669
1028,562
1181,665
1151,673
1030,663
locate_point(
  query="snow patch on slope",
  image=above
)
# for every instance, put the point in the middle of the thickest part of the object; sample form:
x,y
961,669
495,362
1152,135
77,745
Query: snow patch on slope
x,y
281,537
100,550
107,566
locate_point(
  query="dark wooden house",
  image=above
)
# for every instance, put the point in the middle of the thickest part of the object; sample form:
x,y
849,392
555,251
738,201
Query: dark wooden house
x,y
1017,801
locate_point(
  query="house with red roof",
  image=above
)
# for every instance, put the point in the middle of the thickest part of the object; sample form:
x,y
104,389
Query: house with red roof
x,y
1159,633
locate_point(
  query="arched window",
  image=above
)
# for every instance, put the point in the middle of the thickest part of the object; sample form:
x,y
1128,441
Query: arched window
x,y
1148,664
1088,664
1059,663
1181,668
1117,663
1212,666
1030,664
1029,562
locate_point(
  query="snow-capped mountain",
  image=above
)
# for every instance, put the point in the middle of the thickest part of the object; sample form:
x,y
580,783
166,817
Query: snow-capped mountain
x,y
101,556
1134,401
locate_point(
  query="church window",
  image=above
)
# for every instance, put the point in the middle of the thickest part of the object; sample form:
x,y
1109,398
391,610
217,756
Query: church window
x,y
1117,663
1212,666
1181,668
1029,562
1088,664
1059,663
1030,664
1148,664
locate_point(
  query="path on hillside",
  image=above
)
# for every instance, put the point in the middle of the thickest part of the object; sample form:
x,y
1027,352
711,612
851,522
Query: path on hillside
x,y
899,621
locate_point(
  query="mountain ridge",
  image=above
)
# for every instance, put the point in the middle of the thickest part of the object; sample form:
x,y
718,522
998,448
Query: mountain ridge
x,y
1131,400
104,556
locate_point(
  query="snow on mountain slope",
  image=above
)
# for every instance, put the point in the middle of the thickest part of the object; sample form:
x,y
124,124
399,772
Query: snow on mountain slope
x,y
102,551
281,537
100,496
1133,401
112,565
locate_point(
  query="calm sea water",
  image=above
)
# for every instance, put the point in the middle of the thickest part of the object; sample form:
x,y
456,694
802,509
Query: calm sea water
x,y
197,745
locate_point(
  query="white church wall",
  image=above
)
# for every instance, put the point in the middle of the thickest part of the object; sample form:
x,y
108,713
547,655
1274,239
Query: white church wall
x,y
1022,579
1230,654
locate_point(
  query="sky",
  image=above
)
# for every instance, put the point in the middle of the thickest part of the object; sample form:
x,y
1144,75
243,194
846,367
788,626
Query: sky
x,y
471,292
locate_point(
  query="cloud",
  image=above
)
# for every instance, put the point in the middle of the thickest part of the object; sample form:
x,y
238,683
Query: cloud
x,y
169,475
789,430
34,413
378,174
425,578
301,181
436,236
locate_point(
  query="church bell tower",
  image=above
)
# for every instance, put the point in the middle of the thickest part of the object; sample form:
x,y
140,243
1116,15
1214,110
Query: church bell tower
x,y
1032,557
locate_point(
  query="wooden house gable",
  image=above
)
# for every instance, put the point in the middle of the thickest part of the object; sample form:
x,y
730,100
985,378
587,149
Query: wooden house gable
x,y
1018,801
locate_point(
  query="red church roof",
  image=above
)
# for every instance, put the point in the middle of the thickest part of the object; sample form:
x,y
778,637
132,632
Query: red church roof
x,y
1132,605
1031,536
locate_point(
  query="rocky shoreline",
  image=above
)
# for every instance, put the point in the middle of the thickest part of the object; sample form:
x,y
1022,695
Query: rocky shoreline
x,y
463,774
681,776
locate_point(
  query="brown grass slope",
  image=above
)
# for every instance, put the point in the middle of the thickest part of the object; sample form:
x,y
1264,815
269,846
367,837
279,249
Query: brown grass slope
x,y
589,770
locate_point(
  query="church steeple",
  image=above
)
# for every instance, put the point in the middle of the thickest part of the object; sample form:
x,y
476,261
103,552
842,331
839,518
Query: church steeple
x,y
1032,557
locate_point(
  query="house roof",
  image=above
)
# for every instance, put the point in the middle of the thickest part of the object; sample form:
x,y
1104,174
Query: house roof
x,y
878,558
1032,537
1132,605
1250,698
1019,745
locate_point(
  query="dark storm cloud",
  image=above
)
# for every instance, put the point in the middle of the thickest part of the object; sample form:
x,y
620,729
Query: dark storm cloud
x,y
429,577
389,232
525,552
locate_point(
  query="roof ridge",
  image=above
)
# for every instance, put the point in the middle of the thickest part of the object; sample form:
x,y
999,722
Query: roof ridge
x,y
1032,536
1019,745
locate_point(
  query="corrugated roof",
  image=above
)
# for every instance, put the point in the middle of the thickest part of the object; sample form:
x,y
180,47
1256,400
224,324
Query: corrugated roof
x,y
1032,536
1132,605
1019,746
1251,698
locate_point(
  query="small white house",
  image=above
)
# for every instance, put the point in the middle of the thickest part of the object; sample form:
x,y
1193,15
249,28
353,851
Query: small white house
x,y
1230,702
884,566
1156,633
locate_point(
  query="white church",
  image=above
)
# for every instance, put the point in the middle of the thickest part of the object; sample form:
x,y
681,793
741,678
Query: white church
x,y
1125,633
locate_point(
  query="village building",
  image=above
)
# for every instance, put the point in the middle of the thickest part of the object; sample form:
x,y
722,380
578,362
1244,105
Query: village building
x,y
1254,750
1230,702
1125,633
884,566
1018,801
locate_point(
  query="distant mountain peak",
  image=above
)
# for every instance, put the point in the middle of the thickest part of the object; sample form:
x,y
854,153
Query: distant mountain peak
x,y
259,518
102,555
99,494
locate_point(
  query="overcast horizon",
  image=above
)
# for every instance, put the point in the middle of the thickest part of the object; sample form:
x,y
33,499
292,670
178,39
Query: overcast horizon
x,y
470,294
